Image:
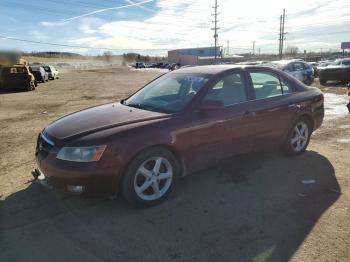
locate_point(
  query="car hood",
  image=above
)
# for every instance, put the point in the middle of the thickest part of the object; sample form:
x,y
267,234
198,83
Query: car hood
x,y
99,118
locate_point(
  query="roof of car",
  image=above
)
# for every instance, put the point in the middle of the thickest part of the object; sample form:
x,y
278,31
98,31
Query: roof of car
x,y
208,69
343,59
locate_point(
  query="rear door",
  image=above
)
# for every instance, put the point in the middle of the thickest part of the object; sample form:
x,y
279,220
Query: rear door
x,y
223,132
273,106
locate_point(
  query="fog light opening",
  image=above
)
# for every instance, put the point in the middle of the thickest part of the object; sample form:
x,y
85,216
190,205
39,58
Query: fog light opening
x,y
75,189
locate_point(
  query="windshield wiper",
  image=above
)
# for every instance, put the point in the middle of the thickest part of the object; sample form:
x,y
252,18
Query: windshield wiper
x,y
139,106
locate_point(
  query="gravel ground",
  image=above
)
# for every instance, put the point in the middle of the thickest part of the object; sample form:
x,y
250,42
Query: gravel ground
x,y
250,208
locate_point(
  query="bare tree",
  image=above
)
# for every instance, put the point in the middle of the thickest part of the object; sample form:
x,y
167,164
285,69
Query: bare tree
x,y
292,50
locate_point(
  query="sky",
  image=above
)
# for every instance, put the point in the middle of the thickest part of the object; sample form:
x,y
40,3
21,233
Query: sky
x,y
154,26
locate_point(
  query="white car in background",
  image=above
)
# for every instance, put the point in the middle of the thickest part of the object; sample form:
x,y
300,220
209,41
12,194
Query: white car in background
x,y
52,72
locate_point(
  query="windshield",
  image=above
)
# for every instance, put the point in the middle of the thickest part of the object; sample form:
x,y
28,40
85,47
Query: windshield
x,y
14,70
341,62
346,62
170,93
47,68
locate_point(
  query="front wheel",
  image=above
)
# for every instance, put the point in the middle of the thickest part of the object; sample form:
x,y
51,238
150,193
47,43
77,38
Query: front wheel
x,y
150,177
298,137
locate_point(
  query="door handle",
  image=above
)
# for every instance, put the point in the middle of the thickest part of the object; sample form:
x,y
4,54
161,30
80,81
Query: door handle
x,y
249,114
294,106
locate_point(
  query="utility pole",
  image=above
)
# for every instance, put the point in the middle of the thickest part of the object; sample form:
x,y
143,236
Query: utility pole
x,y
253,47
228,48
282,34
215,29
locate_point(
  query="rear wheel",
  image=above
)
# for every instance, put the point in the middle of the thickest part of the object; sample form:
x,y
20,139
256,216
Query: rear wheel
x,y
30,86
150,177
298,137
308,81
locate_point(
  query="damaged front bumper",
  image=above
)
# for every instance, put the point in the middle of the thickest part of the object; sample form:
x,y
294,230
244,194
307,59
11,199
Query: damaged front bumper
x,y
45,181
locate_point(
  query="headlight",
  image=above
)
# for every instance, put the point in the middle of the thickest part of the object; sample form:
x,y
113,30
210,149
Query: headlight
x,y
81,154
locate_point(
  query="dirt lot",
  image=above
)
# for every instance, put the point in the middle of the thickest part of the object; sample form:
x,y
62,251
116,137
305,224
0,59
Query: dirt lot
x,y
251,208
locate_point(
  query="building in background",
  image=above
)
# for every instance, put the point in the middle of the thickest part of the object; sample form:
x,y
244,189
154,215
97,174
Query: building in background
x,y
191,56
202,56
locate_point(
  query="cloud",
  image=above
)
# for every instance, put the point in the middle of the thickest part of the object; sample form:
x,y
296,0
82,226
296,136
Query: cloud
x,y
106,9
182,23
38,35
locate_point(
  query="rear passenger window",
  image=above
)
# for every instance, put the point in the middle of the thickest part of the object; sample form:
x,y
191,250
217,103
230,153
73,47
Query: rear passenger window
x,y
266,85
299,67
230,90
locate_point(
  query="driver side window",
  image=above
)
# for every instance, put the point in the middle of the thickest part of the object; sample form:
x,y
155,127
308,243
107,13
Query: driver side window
x,y
230,90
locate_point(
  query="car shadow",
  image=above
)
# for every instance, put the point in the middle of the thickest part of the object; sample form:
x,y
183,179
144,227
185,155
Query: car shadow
x,y
10,91
258,207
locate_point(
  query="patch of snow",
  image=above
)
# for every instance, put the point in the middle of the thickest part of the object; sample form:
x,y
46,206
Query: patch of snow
x,y
344,140
335,105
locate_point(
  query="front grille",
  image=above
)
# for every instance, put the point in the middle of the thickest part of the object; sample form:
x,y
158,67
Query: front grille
x,y
43,147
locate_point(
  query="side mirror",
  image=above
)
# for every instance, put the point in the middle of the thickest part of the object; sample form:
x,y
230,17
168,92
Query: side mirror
x,y
208,105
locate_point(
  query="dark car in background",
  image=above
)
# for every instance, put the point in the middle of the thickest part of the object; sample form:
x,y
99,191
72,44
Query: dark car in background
x,y
297,68
186,120
39,73
17,77
337,71
140,65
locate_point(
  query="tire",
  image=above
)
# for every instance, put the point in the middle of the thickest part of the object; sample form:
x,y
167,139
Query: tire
x,y
308,81
301,140
30,87
140,187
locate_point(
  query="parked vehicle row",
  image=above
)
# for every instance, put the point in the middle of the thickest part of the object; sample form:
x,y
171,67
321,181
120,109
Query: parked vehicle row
x,y
24,77
338,70
164,65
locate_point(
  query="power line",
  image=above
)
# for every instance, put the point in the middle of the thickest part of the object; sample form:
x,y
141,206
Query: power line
x,y
75,46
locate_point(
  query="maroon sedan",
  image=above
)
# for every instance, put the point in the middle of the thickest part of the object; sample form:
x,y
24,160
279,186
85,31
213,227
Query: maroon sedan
x,y
181,122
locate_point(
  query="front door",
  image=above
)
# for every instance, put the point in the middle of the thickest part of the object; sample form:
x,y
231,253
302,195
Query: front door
x,y
224,131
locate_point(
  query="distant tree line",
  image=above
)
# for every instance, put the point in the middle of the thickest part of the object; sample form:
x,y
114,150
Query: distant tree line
x,y
53,54
134,57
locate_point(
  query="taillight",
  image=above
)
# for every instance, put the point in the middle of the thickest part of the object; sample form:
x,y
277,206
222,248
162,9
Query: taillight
x,y
321,97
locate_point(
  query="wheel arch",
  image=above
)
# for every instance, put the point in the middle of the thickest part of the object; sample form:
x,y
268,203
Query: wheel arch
x,y
309,118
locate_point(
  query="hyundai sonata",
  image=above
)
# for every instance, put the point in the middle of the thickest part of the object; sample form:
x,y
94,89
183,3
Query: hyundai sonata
x,y
183,121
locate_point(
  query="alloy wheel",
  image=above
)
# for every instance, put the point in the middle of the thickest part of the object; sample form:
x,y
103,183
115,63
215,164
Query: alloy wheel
x,y
299,136
153,178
